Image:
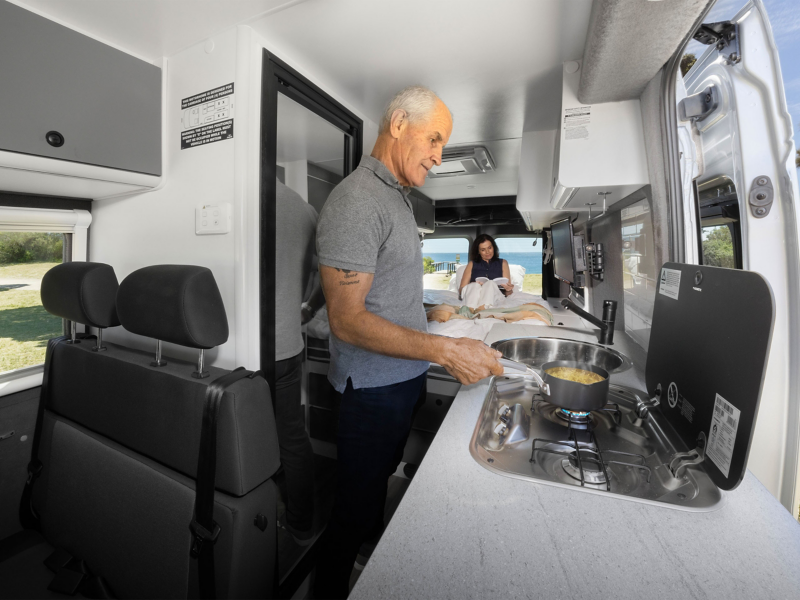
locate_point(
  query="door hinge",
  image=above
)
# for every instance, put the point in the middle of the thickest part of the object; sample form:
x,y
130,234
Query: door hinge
x,y
761,195
724,35
698,106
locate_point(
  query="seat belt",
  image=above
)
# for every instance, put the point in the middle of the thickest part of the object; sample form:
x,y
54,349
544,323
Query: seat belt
x,y
27,514
203,527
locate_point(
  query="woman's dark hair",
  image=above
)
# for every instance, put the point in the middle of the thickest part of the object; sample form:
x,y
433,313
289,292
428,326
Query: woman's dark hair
x,y
475,255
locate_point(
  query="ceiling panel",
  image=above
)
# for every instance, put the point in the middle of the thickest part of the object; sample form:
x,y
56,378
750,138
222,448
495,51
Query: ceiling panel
x,y
496,65
152,29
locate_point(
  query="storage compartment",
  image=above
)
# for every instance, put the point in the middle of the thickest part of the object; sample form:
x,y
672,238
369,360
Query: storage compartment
x,y
599,148
424,213
68,97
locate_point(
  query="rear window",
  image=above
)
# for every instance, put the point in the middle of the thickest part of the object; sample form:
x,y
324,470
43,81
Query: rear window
x,y
441,258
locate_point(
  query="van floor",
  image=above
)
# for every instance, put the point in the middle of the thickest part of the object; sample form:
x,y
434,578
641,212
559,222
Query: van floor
x,y
290,555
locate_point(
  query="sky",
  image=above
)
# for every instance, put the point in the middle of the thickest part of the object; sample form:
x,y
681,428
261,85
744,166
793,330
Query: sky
x,y
461,245
784,15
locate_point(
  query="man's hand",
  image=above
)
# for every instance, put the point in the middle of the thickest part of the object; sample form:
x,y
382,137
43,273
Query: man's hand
x,y
469,360
306,314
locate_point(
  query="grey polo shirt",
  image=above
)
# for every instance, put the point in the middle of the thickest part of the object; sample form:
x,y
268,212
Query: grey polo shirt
x,y
295,231
367,225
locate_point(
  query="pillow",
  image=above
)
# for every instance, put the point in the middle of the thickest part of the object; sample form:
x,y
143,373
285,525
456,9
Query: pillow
x,y
517,276
455,280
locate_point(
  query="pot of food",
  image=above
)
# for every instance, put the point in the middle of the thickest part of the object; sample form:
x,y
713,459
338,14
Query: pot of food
x,y
574,386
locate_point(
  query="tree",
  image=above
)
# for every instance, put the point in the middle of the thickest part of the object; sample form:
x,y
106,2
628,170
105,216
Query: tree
x,y
427,263
27,246
718,248
797,159
687,62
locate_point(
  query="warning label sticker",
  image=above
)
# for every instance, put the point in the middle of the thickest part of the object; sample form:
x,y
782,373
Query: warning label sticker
x,y
722,435
207,117
576,123
207,134
670,284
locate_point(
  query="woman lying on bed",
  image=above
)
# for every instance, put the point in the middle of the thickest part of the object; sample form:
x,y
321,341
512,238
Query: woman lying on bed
x,y
487,278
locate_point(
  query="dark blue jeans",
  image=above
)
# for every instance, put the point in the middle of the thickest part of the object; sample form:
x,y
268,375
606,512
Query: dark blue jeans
x,y
297,456
374,424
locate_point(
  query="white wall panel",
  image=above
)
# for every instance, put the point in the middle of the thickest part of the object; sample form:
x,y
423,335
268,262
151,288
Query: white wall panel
x,y
158,227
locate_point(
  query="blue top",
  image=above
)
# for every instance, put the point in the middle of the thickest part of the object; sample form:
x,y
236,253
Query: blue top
x,y
491,270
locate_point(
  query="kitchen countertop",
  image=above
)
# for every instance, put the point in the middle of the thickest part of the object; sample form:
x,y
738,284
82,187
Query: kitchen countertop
x,y
462,531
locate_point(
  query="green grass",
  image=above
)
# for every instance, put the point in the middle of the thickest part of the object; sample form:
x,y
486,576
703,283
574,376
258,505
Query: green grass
x,y
25,326
436,282
25,270
532,284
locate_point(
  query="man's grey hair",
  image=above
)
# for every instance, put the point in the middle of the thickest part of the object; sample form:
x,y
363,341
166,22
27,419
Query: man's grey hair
x,y
417,101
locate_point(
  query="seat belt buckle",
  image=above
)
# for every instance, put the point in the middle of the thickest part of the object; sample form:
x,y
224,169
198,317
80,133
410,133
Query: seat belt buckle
x,y
34,468
202,535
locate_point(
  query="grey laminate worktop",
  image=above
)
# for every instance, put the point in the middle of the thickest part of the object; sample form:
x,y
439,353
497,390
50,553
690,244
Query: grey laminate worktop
x,y
464,532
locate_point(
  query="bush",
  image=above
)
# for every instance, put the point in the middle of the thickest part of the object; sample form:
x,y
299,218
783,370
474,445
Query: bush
x,y
427,264
27,246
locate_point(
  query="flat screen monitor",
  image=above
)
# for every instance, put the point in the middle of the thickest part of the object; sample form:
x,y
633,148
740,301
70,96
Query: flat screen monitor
x,y
563,256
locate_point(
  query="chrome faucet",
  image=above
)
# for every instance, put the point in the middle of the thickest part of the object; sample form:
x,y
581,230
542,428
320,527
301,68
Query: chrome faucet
x,y
606,325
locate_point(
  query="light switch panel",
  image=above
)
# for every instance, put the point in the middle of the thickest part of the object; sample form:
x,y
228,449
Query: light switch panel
x,y
212,219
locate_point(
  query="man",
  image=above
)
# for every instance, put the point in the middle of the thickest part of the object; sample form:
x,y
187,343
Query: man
x,y
294,255
371,268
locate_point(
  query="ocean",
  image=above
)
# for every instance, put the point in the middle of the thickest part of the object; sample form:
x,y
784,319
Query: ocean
x,y
532,261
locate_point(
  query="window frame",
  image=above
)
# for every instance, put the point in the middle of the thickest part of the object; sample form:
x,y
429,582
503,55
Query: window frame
x,y
75,222
278,77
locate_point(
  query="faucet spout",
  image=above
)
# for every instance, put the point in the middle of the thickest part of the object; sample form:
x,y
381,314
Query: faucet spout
x,y
606,324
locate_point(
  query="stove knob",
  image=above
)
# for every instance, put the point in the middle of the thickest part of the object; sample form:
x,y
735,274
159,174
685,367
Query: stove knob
x,y
501,429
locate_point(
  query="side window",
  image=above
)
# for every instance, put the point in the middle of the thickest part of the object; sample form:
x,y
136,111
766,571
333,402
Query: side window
x,y
441,259
720,242
522,255
25,327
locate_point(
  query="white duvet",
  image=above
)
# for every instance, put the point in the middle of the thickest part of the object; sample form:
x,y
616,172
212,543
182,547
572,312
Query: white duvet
x,y
477,329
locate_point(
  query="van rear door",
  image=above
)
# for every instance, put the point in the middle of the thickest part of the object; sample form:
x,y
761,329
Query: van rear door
x,y
734,121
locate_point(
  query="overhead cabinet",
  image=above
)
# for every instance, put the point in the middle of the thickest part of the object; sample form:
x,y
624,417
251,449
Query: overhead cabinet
x,y
599,148
68,97
423,212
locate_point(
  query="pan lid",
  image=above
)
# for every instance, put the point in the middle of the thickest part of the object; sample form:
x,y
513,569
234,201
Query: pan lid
x,y
709,344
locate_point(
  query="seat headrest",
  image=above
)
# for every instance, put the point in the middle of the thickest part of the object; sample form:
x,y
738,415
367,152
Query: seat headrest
x,y
83,292
180,304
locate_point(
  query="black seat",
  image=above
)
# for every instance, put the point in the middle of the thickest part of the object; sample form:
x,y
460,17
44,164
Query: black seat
x,y
120,442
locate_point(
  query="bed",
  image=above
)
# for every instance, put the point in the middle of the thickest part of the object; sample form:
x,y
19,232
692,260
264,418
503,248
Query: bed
x,y
475,328
478,328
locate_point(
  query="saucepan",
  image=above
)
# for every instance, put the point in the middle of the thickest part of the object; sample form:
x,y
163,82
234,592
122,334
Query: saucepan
x,y
570,395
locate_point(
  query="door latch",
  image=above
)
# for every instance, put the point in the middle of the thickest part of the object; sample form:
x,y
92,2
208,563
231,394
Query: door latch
x,y
698,106
761,196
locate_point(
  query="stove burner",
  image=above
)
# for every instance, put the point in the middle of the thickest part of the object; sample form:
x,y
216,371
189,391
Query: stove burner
x,y
593,473
609,415
574,417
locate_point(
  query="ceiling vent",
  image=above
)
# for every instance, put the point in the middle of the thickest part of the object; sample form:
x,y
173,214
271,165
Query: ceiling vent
x,y
465,160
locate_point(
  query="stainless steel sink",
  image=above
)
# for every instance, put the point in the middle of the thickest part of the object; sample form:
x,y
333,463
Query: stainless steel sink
x,y
537,351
